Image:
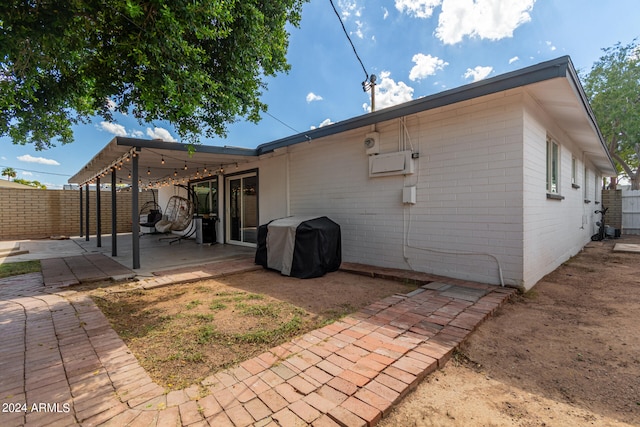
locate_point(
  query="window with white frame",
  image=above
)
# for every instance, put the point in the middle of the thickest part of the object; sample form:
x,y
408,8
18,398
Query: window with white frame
x,y
574,173
586,185
553,167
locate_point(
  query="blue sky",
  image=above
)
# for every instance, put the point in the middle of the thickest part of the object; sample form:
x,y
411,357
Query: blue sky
x,y
414,47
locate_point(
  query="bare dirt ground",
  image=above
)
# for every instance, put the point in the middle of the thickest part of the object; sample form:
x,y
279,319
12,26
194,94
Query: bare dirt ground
x,y
567,353
183,333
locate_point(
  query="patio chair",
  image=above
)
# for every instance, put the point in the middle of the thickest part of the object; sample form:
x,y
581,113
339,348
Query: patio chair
x,y
177,216
150,215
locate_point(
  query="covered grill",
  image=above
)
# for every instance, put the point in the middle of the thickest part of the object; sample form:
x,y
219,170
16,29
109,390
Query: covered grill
x,y
302,247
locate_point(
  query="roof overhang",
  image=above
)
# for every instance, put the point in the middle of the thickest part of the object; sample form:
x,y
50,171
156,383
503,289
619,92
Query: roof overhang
x,y
161,162
553,84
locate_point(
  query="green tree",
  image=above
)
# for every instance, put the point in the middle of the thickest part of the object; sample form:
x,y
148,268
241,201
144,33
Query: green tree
x,y
36,184
613,89
9,173
199,64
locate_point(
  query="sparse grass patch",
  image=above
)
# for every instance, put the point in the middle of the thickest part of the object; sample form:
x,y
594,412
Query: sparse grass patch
x,y
17,268
193,304
182,334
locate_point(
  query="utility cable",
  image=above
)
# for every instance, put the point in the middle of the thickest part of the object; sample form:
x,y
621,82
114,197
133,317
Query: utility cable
x,y
349,38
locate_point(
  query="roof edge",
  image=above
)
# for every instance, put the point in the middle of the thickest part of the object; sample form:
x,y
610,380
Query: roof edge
x,y
180,146
536,73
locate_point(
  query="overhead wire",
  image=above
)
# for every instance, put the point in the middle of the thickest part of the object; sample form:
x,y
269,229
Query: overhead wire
x,y
346,33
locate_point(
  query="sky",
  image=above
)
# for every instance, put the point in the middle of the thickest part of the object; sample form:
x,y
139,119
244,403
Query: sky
x,y
414,47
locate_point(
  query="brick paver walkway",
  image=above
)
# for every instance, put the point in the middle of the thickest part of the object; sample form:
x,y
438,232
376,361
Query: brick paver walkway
x,y
62,364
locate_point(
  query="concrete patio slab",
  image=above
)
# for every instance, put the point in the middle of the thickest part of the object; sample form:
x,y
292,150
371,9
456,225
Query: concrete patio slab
x,y
627,247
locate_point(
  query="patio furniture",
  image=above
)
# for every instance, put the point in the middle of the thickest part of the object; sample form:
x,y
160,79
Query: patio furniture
x,y
178,215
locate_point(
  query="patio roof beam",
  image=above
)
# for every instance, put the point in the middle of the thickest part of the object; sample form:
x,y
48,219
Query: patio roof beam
x,y
98,215
114,211
81,215
135,220
86,222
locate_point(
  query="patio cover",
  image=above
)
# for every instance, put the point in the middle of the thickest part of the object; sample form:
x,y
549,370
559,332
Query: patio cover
x,y
302,247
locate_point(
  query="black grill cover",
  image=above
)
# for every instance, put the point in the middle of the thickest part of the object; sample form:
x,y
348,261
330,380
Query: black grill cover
x,y
301,247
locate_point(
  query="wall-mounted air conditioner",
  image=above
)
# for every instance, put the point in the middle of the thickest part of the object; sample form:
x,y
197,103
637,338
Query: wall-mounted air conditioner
x,y
387,164
372,143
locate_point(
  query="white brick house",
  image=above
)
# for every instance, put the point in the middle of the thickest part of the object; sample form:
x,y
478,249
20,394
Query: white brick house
x,y
496,181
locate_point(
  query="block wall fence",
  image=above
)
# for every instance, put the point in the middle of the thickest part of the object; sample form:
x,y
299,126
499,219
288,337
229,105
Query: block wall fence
x,y
612,199
41,214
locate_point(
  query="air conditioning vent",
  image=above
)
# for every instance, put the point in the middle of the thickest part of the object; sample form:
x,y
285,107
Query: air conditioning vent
x,y
387,164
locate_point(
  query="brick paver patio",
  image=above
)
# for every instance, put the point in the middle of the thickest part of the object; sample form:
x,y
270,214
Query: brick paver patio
x,y
62,364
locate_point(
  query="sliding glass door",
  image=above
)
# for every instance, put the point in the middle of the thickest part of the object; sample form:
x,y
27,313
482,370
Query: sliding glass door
x,y
242,209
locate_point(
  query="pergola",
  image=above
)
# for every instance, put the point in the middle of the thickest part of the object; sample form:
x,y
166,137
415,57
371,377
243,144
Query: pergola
x,y
142,164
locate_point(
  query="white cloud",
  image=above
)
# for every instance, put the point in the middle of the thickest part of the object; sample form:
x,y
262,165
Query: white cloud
x,y
313,97
113,128
478,73
41,160
514,59
325,122
426,65
137,133
389,93
348,8
3,158
418,8
385,14
160,133
551,46
25,173
111,104
486,19
358,31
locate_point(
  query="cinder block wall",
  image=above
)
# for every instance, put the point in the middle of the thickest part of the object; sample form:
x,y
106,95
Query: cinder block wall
x,y
37,214
612,199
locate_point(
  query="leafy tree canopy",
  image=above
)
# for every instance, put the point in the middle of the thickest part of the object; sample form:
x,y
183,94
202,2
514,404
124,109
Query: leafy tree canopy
x,y
198,64
9,173
36,184
613,88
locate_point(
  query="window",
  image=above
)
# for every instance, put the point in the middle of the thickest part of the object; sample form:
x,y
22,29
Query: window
x,y
207,193
574,173
586,185
553,167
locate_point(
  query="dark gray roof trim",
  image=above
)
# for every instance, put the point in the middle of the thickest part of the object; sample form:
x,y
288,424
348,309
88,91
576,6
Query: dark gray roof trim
x,y
540,72
177,146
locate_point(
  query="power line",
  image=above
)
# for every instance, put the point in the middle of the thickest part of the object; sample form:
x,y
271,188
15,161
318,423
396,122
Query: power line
x,y
277,119
349,38
32,171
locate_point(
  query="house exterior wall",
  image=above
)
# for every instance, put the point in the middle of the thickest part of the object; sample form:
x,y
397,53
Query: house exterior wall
x,y
554,229
469,191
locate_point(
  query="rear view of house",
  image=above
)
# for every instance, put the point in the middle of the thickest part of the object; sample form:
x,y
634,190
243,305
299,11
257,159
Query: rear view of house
x,y
496,181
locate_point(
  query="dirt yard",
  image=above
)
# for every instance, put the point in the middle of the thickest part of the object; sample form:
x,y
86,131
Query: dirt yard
x,y
566,353
183,333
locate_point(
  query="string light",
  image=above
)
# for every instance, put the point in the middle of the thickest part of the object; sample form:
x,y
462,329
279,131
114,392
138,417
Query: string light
x,y
148,171
162,161
185,165
175,172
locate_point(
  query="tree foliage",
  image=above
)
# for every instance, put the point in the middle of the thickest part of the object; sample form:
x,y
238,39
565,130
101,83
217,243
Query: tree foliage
x,y
613,88
34,183
198,64
9,173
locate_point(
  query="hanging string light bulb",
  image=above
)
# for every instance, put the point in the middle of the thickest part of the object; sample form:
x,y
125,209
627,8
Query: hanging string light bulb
x,y
162,160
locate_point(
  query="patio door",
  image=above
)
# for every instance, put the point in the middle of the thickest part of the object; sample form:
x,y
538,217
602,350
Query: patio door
x,y
242,209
